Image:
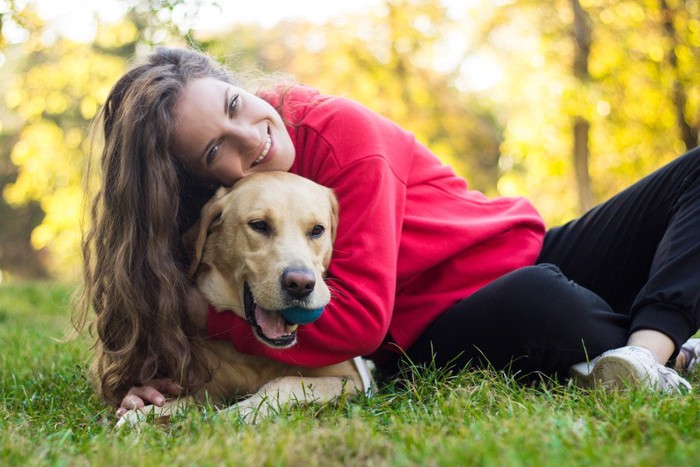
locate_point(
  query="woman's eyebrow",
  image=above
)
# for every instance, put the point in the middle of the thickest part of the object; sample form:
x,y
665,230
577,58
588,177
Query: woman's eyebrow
x,y
226,101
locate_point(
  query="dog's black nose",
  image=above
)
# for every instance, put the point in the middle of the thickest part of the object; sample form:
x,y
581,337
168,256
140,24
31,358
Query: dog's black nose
x,y
298,282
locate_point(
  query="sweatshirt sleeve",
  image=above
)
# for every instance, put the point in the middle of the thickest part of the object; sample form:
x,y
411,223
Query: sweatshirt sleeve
x,y
349,157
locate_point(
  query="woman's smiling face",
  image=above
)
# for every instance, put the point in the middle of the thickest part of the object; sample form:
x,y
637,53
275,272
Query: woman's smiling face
x,y
226,133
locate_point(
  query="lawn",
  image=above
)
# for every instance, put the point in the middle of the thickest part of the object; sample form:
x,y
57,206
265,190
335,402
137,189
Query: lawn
x,y
49,416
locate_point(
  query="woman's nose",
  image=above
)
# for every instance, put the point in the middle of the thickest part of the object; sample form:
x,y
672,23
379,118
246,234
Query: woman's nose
x,y
244,136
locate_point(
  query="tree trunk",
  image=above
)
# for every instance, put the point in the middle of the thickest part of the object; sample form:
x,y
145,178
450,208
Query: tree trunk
x,y
679,95
581,33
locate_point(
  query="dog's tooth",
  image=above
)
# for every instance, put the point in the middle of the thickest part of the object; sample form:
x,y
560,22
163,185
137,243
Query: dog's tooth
x,y
292,327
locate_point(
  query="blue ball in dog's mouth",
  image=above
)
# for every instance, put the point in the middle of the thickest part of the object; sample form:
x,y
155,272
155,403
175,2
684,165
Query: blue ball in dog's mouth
x,y
299,315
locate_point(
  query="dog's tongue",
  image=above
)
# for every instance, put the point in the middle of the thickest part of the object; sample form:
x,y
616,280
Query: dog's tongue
x,y
272,323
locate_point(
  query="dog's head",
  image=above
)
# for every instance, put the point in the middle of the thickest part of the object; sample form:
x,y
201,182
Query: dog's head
x,y
263,246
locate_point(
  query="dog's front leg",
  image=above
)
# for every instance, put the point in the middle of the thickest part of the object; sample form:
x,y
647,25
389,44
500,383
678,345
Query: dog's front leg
x,y
286,391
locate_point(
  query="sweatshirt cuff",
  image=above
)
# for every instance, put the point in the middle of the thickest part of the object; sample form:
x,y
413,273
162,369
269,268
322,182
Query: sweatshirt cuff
x,y
667,319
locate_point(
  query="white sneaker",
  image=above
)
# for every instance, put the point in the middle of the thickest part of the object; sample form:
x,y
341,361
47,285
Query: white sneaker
x,y
628,367
691,349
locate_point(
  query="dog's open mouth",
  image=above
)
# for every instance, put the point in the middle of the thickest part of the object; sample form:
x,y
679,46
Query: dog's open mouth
x,y
269,325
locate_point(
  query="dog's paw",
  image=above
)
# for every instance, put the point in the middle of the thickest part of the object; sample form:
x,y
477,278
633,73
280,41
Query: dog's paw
x,y
134,417
137,417
250,412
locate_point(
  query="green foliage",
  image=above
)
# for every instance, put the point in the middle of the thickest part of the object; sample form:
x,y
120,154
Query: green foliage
x,y
629,98
389,63
52,96
56,98
415,62
49,415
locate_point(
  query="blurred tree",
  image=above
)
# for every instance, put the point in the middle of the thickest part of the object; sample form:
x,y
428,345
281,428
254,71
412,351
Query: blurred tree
x,y
17,257
640,96
20,19
52,93
675,19
165,21
56,96
625,71
582,35
389,63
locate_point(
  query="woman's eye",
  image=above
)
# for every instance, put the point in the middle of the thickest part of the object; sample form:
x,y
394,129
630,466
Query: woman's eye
x,y
233,104
211,155
317,231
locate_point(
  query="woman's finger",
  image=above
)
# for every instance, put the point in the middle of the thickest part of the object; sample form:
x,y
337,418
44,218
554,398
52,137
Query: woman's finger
x,y
130,402
151,393
166,386
145,394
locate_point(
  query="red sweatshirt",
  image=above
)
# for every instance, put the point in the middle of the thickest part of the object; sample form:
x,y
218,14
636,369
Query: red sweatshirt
x,y
411,242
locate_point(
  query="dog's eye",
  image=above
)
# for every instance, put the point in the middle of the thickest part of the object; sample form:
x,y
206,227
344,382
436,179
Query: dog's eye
x,y
260,226
317,231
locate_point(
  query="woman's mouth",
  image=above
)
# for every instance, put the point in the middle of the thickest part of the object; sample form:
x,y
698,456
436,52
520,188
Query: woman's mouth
x,y
265,151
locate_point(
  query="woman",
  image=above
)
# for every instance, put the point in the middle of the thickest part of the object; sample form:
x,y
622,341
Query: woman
x,y
422,267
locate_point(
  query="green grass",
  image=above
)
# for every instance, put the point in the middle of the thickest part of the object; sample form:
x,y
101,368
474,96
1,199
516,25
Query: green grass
x,y
49,416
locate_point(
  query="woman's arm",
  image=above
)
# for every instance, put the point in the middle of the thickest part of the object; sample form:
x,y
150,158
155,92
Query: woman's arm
x,y
365,159
361,276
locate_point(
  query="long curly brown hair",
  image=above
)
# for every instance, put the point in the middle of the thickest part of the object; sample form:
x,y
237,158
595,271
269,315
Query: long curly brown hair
x,y
134,260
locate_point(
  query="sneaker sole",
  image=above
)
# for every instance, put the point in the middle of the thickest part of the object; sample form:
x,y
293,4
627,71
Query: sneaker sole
x,y
612,372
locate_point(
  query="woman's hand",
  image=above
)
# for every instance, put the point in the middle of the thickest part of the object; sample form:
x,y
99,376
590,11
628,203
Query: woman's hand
x,y
153,392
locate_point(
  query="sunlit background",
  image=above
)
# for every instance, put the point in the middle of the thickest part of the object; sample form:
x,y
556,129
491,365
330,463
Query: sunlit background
x,y
565,101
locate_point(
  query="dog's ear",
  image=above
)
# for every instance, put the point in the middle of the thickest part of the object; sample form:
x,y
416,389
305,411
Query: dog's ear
x,y
334,214
334,226
195,238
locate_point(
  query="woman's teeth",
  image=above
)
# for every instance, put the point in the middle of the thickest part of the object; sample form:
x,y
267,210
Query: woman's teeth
x,y
265,151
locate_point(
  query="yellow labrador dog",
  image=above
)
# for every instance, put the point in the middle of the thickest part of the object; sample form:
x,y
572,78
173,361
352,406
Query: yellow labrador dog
x,y
261,250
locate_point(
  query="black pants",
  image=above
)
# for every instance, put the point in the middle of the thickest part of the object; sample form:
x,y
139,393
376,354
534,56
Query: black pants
x,y
631,263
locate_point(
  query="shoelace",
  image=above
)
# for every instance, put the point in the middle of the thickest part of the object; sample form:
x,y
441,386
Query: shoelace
x,y
692,356
670,381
